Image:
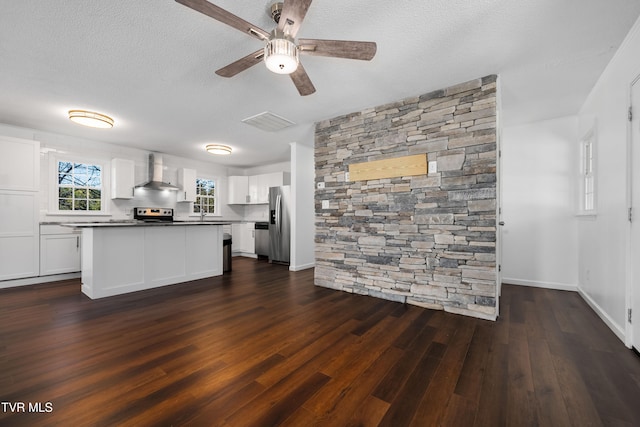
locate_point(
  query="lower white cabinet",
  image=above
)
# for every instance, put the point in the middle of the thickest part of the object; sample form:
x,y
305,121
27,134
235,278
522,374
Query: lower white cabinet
x,y
243,238
60,249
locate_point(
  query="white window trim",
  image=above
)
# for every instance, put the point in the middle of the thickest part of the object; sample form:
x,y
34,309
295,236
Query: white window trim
x,y
217,198
52,206
590,137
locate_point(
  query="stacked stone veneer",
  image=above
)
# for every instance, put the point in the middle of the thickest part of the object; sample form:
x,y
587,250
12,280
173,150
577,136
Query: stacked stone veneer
x,y
428,240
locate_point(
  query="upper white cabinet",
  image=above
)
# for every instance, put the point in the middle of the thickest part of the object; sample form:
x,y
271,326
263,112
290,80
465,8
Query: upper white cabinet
x,y
265,181
251,190
122,178
254,184
238,190
19,164
187,184
19,205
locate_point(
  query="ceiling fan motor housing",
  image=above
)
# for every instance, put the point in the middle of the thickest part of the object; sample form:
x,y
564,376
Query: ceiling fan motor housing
x,y
276,10
281,54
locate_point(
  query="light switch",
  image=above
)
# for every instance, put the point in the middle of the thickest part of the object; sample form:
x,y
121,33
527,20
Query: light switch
x,y
325,204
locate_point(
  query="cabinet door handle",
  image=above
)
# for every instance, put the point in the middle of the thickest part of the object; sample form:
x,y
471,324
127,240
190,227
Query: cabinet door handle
x,y
133,191
77,242
185,195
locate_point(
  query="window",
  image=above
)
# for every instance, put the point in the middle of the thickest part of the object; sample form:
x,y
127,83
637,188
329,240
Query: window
x,y
588,175
78,185
205,196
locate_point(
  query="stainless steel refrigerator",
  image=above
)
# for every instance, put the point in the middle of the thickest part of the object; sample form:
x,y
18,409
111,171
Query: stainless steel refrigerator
x,y
279,224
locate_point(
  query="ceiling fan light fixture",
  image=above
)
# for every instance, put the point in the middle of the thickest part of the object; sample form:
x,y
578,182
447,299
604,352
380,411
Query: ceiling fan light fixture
x,y
281,55
218,149
90,118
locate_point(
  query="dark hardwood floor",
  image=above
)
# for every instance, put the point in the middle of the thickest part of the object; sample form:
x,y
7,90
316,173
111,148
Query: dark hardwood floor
x,y
264,347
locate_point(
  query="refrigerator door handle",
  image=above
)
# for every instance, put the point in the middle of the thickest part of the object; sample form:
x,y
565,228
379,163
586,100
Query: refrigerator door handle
x,y
278,214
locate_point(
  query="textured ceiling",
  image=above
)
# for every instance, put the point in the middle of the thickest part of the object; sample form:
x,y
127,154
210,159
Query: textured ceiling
x,y
150,65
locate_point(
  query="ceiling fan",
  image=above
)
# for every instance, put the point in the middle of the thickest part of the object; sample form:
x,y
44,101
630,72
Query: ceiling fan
x,y
281,50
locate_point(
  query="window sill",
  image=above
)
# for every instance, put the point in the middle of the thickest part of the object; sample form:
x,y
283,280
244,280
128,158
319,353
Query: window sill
x,y
587,215
76,213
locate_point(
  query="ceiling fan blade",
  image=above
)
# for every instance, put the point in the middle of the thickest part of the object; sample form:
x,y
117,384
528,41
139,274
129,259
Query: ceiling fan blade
x,y
302,81
241,64
338,48
219,14
292,15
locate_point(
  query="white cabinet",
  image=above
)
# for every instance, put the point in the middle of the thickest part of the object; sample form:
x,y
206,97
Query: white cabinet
x,y
254,190
237,232
122,178
19,253
243,238
60,249
19,164
19,204
249,237
265,181
187,184
238,190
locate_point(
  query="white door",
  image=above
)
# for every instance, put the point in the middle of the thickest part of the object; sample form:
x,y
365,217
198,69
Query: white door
x,y
635,206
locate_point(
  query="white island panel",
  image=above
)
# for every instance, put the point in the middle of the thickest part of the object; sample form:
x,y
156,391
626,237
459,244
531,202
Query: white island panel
x,y
204,251
112,261
123,259
166,247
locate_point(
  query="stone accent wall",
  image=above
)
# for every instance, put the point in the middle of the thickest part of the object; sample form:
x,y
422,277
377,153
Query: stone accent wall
x,y
428,240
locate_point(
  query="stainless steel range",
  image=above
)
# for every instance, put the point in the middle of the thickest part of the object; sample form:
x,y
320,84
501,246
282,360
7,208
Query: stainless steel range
x,y
153,214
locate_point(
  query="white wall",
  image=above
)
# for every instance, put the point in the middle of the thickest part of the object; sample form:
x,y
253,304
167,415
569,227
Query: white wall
x,y
540,244
603,241
303,212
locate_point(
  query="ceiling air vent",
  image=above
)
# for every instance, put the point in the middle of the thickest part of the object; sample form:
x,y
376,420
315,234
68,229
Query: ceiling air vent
x,y
268,121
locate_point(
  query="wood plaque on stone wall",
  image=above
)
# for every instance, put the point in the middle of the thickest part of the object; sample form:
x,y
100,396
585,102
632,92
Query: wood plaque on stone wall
x,y
389,168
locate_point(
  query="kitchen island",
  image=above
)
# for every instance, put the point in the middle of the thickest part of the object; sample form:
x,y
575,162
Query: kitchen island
x,y
129,256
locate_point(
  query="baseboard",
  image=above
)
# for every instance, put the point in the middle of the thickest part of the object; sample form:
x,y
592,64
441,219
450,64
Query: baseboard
x,y
244,254
537,284
36,280
603,315
302,266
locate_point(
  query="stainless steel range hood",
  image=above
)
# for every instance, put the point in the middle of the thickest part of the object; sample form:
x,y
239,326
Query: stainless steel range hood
x,y
155,175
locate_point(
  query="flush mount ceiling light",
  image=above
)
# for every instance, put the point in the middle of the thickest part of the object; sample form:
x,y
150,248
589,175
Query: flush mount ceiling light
x,y
218,149
281,54
90,118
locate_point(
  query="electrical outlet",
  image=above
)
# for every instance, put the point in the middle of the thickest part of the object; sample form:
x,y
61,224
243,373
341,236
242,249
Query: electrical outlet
x,y
320,186
325,204
346,177
433,166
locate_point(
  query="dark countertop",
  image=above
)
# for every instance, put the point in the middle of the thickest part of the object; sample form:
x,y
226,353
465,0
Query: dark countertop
x,y
134,223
